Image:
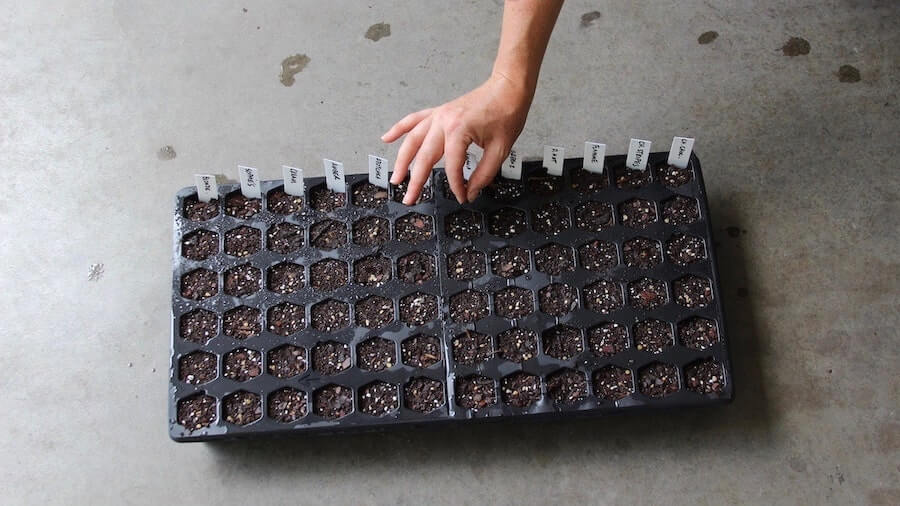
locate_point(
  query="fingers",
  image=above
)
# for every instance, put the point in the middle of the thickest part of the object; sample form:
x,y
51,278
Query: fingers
x,y
454,158
428,155
405,125
408,150
485,171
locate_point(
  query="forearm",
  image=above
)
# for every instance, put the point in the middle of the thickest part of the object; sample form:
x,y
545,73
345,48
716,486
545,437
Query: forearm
x,y
526,29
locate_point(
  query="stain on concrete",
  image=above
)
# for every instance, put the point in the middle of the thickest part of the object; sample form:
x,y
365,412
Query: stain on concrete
x,y
848,74
797,464
378,31
291,66
884,496
707,37
95,272
403,83
166,153
733,231
244,9
795,46
588,18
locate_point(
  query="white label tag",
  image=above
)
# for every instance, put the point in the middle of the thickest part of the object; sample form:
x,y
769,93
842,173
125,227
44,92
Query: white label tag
x,y
207,188
249,182
680,152
594,155
293,181
638,152
553,160
378,171
469,166
334,176
512,166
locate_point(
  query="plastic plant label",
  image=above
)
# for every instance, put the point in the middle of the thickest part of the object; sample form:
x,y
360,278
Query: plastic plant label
x,y
594,154
378,171
469,165
207,188
293,181
512,166
638,152
334,176
249,178
680,152
553,160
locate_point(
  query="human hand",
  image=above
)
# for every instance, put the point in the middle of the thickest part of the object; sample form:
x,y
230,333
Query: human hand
x,y
491,116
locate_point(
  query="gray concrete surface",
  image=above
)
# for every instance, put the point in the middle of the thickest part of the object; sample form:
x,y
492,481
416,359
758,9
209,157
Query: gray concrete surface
x,y
90,92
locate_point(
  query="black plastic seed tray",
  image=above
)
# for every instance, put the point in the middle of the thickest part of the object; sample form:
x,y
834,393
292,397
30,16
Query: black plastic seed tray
x,y
548,297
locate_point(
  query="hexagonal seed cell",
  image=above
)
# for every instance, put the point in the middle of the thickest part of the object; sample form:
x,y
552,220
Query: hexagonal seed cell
x,y
374,311
239,206
197,368
544,185
378,398
557,299
242,280
594,216
328,275
368,195
373,270
280,202
698,333
241,322
415,268
371,231
607,339
598,255
325,200
603,296
242,241
330,315
520,389
328,234
468,306
414,228
287,405
331,357
241,408
554,259
685,249
198,325
658,380
196,412
646,293
630,178
400,192
423,394
517,344
199,244
470,348
680,210
613,383
284,238
653,335
285,278
642,253
466,264
195,210
421,351
513,302
242,364
286,318
562,342
567,386
637,213
418,308
475,392
585,181
199,284
507,222
376,354
705,377
692,291
672,176
463,225
510,262
333,401
286,361
504,190
550,219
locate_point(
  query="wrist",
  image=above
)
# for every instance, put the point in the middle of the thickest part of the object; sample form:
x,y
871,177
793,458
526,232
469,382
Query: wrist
x,y
516,85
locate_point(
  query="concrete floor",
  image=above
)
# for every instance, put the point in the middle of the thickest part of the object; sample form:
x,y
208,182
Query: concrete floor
x,y
91,92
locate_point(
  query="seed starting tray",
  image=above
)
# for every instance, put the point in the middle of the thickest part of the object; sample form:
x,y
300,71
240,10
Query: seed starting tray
x,y
550,297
